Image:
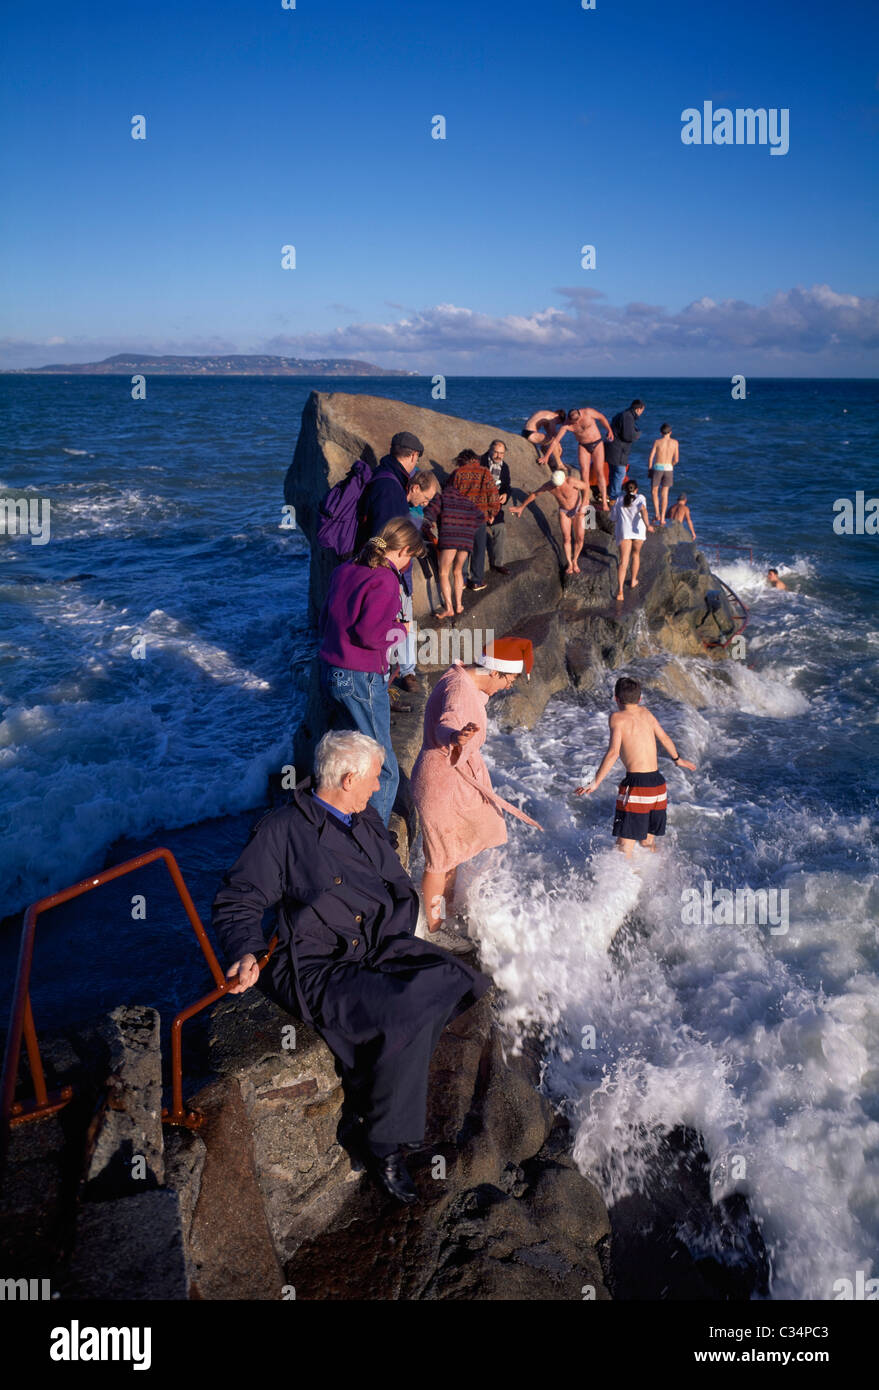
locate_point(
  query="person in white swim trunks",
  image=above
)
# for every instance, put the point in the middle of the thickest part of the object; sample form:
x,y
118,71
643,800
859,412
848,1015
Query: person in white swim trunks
x,y
631,524
663,457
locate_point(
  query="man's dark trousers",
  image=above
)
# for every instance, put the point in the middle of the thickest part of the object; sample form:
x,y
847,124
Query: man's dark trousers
x,y
476,566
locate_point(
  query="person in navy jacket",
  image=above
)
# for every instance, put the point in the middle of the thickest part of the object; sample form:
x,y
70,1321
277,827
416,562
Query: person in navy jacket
x,y
384,498
616,451
347,960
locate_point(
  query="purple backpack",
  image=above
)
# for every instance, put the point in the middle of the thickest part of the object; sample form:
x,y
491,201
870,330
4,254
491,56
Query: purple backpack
x,y
339,512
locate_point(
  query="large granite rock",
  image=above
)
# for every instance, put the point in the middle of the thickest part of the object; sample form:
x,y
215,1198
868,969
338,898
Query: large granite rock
x,y
577,627
504,1213
125,1150
337,429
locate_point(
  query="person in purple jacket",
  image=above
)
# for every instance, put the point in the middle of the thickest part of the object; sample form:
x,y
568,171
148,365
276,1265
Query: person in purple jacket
x,y
359,622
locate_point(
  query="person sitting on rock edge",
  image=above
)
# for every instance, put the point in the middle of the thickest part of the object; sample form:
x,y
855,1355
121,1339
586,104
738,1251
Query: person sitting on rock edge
x,y
347,960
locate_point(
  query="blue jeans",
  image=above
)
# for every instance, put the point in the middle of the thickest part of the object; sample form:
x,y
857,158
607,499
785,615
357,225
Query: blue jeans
x,y
617,473
362,698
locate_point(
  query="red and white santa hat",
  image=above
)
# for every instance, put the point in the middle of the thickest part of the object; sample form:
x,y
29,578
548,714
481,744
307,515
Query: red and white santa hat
x,y
509,654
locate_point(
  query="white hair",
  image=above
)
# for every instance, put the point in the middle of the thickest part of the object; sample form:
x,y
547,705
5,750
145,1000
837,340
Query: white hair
x,y
559,476
344,752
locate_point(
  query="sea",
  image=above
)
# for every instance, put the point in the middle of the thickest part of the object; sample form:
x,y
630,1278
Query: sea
x,y
720,1077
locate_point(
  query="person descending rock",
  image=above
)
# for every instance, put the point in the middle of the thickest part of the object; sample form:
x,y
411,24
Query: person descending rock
x,y
583,425
541,431
681,512
347,960
663,457
572,496
642,797
459,812
631,525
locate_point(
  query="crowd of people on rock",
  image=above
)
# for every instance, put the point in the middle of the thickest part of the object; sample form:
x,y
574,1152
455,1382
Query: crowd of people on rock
x,y
348,959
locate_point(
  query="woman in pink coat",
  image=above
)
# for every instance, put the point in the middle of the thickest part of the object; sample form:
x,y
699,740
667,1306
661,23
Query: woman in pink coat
x,y
459,812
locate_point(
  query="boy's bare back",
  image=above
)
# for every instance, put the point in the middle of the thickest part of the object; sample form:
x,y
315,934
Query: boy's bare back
x,y
665,450
637,729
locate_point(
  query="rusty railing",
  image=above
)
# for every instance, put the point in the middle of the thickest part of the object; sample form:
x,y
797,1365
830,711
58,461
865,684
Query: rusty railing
x,y
21,1022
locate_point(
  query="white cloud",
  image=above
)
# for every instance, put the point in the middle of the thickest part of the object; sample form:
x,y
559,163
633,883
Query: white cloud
x,y
812,331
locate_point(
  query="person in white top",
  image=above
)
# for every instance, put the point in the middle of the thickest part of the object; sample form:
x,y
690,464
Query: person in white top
x,y
631,524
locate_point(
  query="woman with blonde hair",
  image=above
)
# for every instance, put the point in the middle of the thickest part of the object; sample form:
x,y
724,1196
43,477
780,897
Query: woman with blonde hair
x,y
359,623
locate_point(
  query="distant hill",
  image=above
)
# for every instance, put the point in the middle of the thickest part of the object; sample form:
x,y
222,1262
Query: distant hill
x,y
246,364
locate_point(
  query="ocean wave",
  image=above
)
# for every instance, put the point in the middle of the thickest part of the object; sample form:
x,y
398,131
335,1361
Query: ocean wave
x,y
760,1043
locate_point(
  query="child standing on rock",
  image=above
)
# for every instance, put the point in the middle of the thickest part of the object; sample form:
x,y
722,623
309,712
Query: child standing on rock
x,y
663,457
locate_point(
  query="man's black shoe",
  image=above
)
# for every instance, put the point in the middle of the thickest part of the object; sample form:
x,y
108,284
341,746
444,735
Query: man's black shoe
x,y
500,569
393,1175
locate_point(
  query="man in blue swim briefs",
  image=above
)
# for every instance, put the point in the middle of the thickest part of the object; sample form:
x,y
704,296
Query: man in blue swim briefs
x,y
641,800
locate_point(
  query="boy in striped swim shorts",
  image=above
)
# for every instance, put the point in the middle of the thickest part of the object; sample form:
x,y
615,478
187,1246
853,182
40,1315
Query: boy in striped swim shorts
x,y
641,800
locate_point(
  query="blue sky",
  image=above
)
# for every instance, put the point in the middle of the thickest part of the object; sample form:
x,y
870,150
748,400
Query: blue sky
x,y
312,127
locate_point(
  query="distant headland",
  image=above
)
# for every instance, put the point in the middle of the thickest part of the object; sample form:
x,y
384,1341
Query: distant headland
x,y
243,364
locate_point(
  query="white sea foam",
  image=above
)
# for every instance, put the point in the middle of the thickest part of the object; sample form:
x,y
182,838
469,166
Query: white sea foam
x,y
760,1043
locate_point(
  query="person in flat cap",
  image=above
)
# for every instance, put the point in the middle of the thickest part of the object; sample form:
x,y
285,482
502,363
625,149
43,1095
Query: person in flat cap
x,y
460,813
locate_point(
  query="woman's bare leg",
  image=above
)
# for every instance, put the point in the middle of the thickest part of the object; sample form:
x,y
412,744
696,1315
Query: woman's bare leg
x,y
622,566
445,565
437,891
458,579
636,562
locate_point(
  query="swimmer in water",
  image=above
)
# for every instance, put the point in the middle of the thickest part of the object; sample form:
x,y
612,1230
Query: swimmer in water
x,y
642,796
773,579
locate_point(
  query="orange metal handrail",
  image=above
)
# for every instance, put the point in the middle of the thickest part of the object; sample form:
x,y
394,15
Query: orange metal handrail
x,y
178,1114
739,619
21,1023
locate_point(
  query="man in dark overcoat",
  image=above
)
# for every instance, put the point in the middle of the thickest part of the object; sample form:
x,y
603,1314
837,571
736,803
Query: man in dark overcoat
x,y
347,960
